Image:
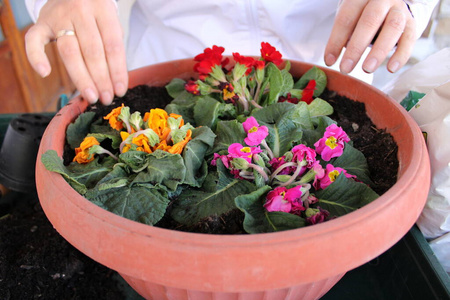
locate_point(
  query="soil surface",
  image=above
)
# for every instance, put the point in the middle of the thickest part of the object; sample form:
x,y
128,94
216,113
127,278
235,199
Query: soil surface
x,y
37,263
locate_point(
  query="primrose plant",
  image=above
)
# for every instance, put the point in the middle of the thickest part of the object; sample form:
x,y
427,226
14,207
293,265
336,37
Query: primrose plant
x,y
245,137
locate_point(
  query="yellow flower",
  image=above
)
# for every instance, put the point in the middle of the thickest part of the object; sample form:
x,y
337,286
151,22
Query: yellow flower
x,y
82,155
112,117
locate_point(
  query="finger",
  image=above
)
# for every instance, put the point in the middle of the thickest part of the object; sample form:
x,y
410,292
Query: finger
x,y
404,48
35,40
344,24
390,34
370,22
70,53
112,36
93,53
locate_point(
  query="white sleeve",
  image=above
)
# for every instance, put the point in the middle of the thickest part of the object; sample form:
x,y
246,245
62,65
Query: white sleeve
x,y
35,6
421,11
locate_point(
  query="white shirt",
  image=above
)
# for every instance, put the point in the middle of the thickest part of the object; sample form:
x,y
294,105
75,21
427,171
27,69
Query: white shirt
x,y
162,30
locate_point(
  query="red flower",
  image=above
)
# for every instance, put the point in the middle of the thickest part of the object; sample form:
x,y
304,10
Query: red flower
x,y
289,99
244,60
308,91
270,54
192,87
210,58
259,64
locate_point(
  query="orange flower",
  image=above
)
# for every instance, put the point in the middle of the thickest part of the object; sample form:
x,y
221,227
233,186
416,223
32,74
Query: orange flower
x,y
112,117
178,147
82,155
157,120
142,142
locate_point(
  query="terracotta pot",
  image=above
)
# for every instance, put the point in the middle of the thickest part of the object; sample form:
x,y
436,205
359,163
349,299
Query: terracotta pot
x,y
297,264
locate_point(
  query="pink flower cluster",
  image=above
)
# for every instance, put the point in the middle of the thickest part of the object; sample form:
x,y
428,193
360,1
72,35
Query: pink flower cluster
x,y
291,173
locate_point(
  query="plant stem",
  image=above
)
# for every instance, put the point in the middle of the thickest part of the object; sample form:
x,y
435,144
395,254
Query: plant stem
x,y
280,168
294,176
260,171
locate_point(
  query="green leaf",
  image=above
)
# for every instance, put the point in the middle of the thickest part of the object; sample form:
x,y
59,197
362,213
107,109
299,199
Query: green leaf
x,y
136,160
319,107
313,74
228,132
194,205
311,136
80,177
77,131
141,203
275,79
354,162
113,135
176,87
163,168
207,111
258,220
345,195
194,155
285,122
183,105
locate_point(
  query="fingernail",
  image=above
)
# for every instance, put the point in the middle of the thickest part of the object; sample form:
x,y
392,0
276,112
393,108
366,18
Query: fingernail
x,y
394,66
330,59
90,95
120,89
42,70
346,66
370,65
106,98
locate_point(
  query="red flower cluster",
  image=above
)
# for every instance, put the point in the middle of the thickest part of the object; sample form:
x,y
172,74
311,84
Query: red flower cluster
x,y
207,60
270,54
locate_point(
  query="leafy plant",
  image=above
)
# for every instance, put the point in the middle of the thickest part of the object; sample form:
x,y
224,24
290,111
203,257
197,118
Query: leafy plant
x,y
245,136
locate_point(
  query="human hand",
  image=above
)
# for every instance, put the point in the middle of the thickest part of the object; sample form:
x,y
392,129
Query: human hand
x,y
356,25
94,57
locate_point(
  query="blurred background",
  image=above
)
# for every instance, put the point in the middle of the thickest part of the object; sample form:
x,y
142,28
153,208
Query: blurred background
x,y
22,90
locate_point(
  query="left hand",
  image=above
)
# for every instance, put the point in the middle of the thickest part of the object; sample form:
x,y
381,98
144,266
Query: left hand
x,y
356,25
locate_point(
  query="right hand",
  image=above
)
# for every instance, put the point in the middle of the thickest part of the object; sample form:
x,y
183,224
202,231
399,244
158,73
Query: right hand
x,y
94,57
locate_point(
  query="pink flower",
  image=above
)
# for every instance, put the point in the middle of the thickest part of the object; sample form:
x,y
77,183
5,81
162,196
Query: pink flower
x,y
223,158
331,173
332,143
255,133
319,172
304,153
285,200
316,216
277,162
236,150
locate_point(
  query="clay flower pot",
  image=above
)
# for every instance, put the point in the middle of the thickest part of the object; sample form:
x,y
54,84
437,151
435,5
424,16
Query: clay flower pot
x,y
296,264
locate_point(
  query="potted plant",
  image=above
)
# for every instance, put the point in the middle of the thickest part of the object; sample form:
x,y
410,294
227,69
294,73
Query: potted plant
x,y
300,263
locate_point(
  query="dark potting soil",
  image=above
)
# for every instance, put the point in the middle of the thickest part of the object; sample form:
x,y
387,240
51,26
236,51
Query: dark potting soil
x,y
376,144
